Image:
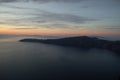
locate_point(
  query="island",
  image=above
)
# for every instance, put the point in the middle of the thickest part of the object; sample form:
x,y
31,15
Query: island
x,y
84,42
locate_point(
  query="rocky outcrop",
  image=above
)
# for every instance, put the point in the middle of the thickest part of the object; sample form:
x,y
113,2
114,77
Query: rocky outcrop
x,y
84,42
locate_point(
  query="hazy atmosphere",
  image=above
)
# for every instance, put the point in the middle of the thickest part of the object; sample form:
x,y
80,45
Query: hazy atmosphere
x,y
59,39
60,17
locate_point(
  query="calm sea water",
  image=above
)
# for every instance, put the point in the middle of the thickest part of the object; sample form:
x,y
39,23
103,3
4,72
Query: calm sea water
x,y
33,61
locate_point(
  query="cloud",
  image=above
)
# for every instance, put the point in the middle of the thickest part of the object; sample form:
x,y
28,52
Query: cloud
x,y
113,28
47,19
41,1
25,28
57,0
12,6
59,17
64,26
25,16
42,16
8,0
46,1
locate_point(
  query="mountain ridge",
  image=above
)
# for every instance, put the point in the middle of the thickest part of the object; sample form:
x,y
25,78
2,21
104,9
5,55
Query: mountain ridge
x,y
84,42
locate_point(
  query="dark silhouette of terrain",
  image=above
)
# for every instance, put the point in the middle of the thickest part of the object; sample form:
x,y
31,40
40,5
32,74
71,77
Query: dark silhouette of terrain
x,y
84,42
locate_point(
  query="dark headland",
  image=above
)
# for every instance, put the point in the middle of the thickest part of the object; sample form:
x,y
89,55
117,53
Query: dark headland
x,y
84,42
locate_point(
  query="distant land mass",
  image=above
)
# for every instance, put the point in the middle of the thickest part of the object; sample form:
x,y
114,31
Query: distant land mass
x,y
84,42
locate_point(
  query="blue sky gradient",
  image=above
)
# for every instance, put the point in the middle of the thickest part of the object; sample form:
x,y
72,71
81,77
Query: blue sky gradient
x,y
99,15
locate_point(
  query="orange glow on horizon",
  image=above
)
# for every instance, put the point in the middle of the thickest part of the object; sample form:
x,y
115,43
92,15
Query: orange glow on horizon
x,y
43,31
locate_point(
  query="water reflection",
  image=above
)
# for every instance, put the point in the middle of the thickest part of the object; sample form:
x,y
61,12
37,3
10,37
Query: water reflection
x,y
32,61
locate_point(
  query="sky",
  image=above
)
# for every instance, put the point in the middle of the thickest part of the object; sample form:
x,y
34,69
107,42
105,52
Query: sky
x,y
60,17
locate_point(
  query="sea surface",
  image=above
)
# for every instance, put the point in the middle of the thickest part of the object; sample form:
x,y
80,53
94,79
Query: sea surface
x,y
37,61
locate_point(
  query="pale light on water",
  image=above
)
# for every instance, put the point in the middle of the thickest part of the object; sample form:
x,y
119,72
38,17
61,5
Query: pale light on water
x,y
33,61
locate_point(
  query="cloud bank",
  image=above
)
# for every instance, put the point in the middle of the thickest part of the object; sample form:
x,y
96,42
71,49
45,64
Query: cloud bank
x,y
42,1
47,18
25,14
41,18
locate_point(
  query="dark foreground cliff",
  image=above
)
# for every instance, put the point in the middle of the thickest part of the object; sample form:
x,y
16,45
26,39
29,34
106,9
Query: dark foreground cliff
x,y
84,42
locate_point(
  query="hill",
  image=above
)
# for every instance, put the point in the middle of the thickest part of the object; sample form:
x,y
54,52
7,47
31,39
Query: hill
x,y
84,42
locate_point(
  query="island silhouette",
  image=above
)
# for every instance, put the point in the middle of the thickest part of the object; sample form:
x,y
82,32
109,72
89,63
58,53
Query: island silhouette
x,y
84,42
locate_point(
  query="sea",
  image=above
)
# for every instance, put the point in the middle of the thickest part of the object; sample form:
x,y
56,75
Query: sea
x,y
38,61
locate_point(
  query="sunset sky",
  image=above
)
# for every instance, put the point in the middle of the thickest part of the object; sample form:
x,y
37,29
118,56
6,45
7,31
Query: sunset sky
x,y
60,17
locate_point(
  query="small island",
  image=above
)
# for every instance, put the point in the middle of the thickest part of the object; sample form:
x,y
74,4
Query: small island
x,y
84,42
